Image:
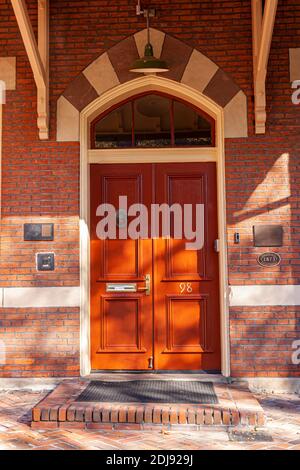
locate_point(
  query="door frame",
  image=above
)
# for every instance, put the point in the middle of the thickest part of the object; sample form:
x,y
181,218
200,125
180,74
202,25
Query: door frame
x,y
148,83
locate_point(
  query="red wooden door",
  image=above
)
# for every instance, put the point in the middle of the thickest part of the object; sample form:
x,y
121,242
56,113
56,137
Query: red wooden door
x,y
177,326
186,297
121,323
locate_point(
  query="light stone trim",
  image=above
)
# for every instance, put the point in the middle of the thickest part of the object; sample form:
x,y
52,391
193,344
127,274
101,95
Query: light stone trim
x,y
239,296
272,385
199,71
38,297
149,83
264,295
32,383
235,116
67,121
294,64
256,384
157,41
101,74
165,155
8,72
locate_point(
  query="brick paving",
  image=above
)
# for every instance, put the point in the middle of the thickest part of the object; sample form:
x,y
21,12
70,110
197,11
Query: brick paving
x,y
282,426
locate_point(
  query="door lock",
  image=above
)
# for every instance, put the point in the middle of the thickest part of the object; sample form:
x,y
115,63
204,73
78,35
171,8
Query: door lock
x,y
147,288
217,246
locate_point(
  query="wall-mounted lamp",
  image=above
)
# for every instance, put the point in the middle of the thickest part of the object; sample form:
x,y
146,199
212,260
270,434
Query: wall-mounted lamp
x,y
148,63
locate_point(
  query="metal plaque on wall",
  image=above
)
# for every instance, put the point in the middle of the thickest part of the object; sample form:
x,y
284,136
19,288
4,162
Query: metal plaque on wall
x,y
269,259
268,235
38,232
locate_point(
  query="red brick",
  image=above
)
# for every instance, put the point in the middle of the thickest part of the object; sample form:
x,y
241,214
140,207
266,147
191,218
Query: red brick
x,y
131,414
157,415
71,413
96,415
36,414
191,416
217,417
123,415
226,417
208,416
200,416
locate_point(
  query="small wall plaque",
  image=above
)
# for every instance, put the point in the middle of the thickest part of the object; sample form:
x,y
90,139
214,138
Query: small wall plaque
x,y
269,259
268,235
38,232
45,261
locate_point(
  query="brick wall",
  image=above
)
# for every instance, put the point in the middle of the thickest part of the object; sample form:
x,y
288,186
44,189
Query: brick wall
x,y
269,170
40,342
18,263
42,178
261,341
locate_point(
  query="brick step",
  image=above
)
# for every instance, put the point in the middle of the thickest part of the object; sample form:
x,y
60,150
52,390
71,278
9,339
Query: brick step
x,y
236,407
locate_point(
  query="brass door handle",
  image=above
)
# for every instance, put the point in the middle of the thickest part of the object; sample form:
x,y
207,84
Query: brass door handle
x,y
147,288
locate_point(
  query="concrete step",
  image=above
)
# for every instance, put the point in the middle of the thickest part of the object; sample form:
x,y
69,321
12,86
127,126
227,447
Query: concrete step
x,y
236,407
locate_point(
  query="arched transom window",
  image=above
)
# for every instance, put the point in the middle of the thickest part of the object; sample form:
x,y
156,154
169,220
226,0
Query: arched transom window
x,y
153,120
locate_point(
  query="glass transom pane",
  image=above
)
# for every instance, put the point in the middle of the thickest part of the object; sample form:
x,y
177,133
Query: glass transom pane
x,y
153,121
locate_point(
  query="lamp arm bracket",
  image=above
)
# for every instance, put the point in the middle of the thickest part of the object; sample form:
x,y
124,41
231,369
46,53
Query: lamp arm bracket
x,y
151,12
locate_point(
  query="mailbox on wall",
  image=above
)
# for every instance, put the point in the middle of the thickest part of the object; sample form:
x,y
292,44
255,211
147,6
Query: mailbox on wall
x,y
45,261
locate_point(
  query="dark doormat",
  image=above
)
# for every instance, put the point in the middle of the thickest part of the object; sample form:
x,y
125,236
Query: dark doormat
x,y
150,391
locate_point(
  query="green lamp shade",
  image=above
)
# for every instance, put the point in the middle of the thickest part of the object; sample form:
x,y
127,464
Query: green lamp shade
x,y
149,63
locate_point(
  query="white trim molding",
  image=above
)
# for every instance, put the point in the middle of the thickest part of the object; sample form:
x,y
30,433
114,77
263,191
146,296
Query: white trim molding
x,y
39,297
259,385
99,105
264,295
32,383
270,385
239,296
165,155
8,72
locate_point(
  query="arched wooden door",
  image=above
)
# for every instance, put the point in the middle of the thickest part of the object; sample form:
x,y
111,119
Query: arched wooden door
x,y
169,317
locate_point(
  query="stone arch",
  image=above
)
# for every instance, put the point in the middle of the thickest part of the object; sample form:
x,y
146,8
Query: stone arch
x,y
187,66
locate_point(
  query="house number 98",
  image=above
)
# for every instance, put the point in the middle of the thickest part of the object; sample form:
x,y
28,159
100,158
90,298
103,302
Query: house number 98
x,y
185,287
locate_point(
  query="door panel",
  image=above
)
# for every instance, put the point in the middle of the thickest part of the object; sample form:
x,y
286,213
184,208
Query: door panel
x,y
182,188
186,297
126,264
121,323
187,334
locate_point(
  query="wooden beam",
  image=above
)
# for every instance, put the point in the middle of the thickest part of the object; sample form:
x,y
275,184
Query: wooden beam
x,y
1,112
43,45
256,30
262,32
38,56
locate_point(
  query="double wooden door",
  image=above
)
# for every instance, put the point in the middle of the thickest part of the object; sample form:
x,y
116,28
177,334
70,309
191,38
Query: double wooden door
x,y
154,304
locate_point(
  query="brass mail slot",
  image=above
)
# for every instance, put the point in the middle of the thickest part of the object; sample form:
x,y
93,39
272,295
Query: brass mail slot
x,y
121,288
